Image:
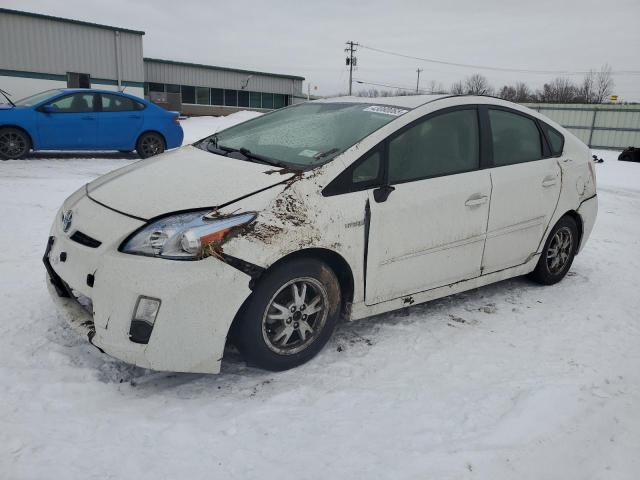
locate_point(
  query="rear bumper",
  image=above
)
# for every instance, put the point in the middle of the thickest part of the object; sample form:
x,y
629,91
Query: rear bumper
x,y
588,210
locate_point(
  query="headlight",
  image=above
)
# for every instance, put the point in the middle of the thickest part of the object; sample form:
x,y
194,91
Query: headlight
x,y
184,236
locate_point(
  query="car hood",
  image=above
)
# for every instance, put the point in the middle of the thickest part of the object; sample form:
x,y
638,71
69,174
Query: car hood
x,y
183,179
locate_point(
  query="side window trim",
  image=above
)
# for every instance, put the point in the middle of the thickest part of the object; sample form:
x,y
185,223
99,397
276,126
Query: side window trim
x,y
544,145
425,118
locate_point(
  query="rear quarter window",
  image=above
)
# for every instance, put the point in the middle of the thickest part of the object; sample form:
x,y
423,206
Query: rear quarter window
x,y
556,140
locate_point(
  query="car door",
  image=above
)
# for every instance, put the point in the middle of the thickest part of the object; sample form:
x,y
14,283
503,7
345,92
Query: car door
x,y
526,188
120,120
68,122
428,223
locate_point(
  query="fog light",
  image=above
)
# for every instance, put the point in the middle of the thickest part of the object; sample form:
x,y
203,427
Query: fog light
x,y
144,316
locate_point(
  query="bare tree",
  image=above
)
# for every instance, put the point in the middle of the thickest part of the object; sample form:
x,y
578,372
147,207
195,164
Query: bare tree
x,y
586,91
434,87
457,88
603,84
508,93
523,92
477,84
520,93
558,90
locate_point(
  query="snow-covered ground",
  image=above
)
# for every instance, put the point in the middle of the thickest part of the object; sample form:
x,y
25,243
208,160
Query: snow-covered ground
x,y
510,381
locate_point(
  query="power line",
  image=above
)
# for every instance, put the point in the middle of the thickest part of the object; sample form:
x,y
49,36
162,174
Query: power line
x,y
408,89
498,69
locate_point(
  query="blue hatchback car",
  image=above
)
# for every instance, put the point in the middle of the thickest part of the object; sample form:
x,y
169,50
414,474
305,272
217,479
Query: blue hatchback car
x,y
86,119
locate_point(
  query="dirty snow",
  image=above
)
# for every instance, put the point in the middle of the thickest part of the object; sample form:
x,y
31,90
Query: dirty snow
x,y
510,381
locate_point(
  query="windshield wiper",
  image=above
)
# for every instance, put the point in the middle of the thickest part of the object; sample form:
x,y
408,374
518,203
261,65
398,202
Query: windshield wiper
x,y
248,154
7,95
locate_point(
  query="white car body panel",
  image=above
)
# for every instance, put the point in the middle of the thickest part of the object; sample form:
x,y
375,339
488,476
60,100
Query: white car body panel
x,y
412,248
197,179
423,243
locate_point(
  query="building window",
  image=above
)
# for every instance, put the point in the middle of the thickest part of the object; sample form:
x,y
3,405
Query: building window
x,y
255,99
188,94
156,87
146,88
279,101
172,88
202,96
78,80
231,98
267,100
217,96
243,98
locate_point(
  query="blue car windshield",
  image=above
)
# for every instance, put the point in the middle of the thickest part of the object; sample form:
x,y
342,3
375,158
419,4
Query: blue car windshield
x,y
305,135
37,98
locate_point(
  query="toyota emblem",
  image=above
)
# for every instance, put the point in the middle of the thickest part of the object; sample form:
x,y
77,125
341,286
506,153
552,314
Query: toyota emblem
x,y
66,220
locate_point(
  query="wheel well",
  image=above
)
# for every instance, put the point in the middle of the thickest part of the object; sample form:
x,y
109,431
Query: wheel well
x,y
21,129
152,131
336,262
578,219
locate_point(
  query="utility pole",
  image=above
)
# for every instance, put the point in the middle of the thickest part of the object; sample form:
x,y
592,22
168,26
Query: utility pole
x,y
351,60
418,81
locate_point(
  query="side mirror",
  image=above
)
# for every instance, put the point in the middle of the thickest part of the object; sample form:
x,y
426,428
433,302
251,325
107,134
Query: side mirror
x,y
49,109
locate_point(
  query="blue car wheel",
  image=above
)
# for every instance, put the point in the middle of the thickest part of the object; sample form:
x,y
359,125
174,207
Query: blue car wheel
x,y
14,143
150,144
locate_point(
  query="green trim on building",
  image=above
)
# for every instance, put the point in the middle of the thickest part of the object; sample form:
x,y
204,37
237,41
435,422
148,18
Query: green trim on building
x,y
63,78
68,20
224,69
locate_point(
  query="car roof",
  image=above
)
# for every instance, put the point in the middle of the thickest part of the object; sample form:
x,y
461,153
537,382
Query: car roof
x,y
406,101
90,90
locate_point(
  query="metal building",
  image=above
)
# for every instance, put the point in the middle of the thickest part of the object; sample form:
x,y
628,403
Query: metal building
x,y
210,90
39,52
611,126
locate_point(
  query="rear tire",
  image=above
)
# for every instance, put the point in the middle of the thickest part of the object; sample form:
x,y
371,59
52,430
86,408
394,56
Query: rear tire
x,y
558,253
14,143
150,144
290,315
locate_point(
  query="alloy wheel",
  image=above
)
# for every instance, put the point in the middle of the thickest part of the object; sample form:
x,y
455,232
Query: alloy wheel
x,y
559,251
295,316
151,145
12,144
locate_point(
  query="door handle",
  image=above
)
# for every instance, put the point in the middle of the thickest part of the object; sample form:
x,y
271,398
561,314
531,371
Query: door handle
x,y
88,118
381,194
134,116
476,200
549,181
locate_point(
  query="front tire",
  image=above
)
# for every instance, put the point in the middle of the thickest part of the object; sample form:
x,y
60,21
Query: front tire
x,y
290,315
14,144
558,253
150,144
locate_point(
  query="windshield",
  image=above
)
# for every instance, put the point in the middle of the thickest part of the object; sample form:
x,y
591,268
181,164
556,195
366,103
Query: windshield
x,y
305,135
35,99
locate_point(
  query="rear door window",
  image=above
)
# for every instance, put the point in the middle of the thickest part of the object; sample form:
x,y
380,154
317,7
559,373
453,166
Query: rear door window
x,y
116,103
516,138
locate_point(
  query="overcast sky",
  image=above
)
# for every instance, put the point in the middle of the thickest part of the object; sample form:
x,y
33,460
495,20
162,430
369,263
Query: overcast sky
x,y
307,38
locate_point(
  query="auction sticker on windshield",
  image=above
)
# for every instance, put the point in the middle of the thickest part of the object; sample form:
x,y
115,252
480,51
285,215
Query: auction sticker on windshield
x,y
396,112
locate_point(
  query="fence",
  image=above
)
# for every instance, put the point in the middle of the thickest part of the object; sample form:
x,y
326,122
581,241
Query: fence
x,y
599,126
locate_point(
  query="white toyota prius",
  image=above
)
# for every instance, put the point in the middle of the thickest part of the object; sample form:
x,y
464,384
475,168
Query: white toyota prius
x,y
268,232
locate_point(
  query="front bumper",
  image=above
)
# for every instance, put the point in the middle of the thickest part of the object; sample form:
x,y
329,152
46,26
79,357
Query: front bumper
x,y
199,298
